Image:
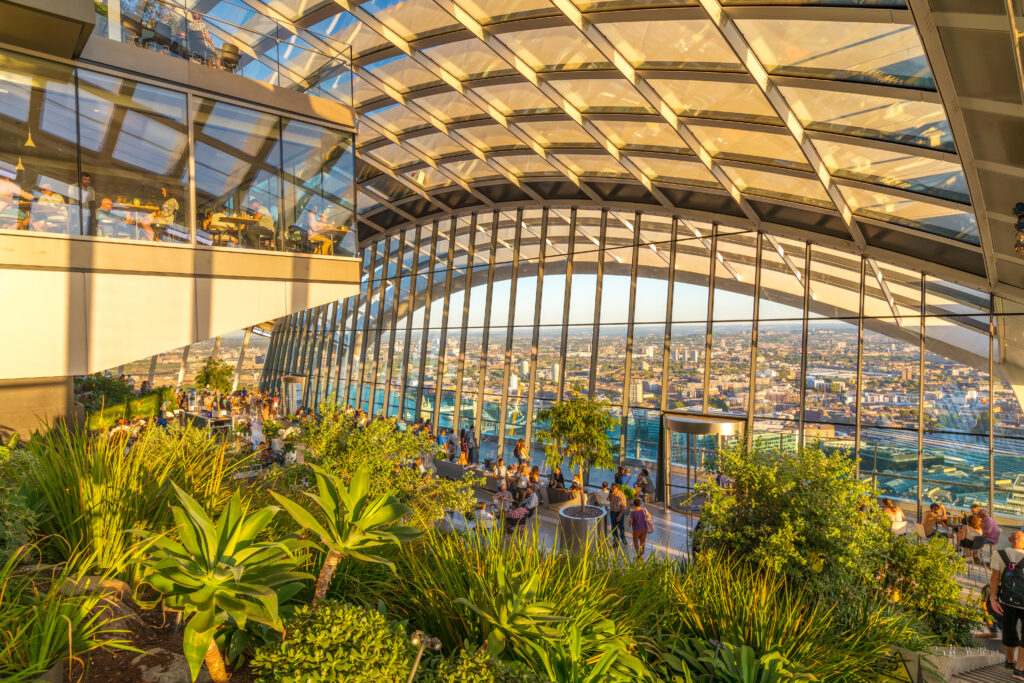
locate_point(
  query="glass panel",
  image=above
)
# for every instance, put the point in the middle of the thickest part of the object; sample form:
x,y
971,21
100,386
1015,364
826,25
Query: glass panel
x,y
730,367
891,372
578,357
908,121
777,149
690,172
831,394
594,165
238,175
40,188
557,48
690,296
410,18
718,100
602,95
610,363
686,367
920,215
734,278
779,352
645,366
516,98
902,170
467,59
879,53
778,185
135,149
671,44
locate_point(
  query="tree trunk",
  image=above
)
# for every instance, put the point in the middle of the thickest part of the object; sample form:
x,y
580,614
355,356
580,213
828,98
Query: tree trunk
x,y
326,574
215,663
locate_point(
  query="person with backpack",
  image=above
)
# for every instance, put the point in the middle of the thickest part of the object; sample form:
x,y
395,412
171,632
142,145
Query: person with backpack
x,y
644,487
1006,597
642,524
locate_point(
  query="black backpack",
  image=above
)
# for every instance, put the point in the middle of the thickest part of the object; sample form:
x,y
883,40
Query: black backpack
x,y
1011,584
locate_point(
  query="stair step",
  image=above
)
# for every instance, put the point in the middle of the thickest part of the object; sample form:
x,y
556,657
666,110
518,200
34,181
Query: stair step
x,y
988,674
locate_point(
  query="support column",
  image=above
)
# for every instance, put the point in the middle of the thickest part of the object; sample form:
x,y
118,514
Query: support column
x,y
510,326
241,358
216,348
803,346
152,369
712,271
754,331
461,370
184,362
535,342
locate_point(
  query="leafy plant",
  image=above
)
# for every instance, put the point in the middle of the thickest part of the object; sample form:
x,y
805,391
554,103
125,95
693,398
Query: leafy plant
x,y
272,429
334,641
354,523
17,520
41,626
91,491
726,663
220,571
215,374
577,430
388,453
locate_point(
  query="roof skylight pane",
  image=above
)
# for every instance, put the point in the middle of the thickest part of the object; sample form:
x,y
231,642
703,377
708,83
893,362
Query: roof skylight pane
x,y
671,44
516,98
903,170
907,121
593,165
756,146
718,100
491,136
642,135
402,73
675,171
610,95
920,215
558,48
558,133
851,51
467,59
779,186
411,18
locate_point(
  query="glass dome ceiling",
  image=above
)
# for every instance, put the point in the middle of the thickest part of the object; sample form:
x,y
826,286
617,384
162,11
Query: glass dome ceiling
x,y
804,118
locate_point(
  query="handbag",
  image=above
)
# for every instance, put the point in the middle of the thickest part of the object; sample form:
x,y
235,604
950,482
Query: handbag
x,y
650,521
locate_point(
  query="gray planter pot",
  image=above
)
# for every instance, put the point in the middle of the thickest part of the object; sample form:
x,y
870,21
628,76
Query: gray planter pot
x,y
574,528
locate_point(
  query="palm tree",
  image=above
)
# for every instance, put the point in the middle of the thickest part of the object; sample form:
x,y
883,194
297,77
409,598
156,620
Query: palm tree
x,y
354,525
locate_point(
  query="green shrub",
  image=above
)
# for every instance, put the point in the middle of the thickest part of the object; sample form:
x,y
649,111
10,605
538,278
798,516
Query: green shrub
x,y
918,577
475,666
215,374
92,491
17,520
41,626
337,642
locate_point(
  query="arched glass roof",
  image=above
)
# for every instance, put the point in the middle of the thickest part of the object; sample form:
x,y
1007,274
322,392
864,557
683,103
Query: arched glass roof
x,y
812,119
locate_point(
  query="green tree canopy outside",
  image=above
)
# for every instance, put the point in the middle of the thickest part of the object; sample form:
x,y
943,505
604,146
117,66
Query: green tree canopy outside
x,y
577,430
215,374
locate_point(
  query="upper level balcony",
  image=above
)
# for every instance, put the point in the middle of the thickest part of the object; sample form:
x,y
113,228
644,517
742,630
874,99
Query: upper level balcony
x,y
179,127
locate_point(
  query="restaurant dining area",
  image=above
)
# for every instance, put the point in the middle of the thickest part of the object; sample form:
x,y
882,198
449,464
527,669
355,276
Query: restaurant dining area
x,y
87,152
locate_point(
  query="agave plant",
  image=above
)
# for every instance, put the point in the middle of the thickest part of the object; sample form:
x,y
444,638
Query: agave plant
x,y
218,570
354,523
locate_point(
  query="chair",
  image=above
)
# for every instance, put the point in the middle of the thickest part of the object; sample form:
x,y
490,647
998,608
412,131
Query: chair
x,y
921,535
229,57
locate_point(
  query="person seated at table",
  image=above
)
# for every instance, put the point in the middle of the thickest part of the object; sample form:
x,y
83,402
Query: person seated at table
x,y
113,222
263,228
535,477
577,482
502,496
49,211
966,534
12,216
463,459
989,527
935,516
529,504
315,227
891,511
164,218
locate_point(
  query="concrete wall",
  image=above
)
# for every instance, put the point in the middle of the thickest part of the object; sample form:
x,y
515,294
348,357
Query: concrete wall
x,y
78,305
25,403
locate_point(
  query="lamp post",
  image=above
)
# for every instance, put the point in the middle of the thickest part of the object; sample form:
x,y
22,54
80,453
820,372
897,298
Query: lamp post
x,y
424,641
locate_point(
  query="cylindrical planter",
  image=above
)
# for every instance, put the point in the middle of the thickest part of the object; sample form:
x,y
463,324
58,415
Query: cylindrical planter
x,y
576,523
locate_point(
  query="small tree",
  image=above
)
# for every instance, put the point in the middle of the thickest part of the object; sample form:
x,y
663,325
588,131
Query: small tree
x,y
577,431
215,374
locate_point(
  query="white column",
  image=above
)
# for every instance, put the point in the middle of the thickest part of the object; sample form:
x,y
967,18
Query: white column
x,y
184,362
241,358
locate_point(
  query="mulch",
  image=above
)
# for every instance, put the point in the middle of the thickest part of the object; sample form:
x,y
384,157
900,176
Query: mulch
x,y
155,632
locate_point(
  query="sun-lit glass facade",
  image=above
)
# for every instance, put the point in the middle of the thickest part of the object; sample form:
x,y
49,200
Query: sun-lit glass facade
x,y
85,151
489,317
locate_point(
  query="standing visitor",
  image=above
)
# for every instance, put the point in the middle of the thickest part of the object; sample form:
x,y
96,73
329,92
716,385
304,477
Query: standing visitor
x,y
474,449
1006,597
520,451
644,487
641,523
617,505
